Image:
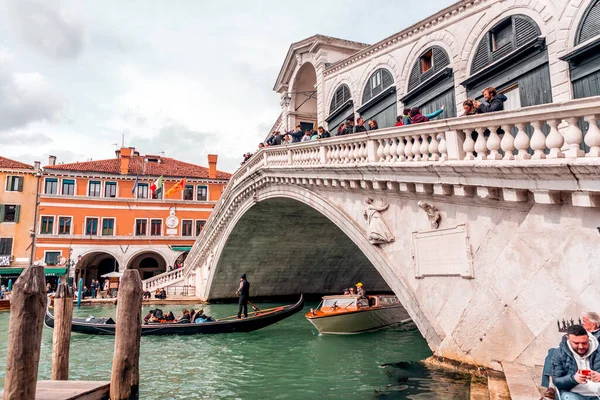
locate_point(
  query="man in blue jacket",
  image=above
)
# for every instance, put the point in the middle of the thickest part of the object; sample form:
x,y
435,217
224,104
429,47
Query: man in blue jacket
x,y
576,365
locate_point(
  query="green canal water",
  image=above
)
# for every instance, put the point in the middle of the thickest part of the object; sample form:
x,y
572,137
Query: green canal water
x,y
284,361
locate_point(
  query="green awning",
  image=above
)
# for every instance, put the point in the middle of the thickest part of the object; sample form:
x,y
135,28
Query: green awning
x,y
181,248
11,271
47,271
55,271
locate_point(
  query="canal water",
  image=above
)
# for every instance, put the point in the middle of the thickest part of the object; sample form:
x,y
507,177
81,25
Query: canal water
x,y
284,361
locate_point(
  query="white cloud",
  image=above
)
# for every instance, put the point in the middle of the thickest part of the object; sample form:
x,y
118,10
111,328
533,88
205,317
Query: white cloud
x,y
48,27
24,96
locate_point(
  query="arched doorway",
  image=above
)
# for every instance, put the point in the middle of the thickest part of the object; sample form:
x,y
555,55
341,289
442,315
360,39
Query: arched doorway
x,y
148,263
303,108
95,264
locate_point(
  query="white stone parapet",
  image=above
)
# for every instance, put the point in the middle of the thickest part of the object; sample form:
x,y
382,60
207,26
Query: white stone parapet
x,y
439,158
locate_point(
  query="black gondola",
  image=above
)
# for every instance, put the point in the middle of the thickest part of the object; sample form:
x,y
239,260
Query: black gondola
x,y
256,320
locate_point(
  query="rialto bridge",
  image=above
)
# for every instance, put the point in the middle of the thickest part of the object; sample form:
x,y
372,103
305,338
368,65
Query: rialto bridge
x,y
486,234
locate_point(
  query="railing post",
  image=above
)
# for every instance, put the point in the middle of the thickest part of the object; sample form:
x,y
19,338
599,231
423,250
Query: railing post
x,y
322,155
290,160
372,150
454,145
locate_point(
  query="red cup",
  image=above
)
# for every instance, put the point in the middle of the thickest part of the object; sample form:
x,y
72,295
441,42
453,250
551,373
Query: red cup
x,y
586,372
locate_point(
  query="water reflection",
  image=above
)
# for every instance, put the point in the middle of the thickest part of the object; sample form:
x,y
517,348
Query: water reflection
x,y
288,360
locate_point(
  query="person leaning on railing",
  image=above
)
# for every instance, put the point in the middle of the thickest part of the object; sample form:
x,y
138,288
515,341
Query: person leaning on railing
x,y
494,101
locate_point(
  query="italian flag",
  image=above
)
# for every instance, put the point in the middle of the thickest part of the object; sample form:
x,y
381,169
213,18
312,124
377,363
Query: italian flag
x,y
157,186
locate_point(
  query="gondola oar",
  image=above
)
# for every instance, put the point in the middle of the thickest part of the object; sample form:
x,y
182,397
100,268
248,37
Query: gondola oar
x,y
256,309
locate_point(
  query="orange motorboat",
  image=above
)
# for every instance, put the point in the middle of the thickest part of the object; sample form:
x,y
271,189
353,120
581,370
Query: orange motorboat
x,y
351,314
4,305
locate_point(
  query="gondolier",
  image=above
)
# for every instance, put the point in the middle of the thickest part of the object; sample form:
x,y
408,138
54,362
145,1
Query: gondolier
x,y
244,292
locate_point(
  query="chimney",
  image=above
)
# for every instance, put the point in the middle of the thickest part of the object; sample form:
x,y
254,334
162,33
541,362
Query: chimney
x,y
52,160
37,166
125,153
212,166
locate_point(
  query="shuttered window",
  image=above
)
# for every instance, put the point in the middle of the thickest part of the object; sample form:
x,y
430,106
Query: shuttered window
x,y
377,83
6,246
504,38
50,186
14,183
590,24
341,96
10,212
47,225
432,60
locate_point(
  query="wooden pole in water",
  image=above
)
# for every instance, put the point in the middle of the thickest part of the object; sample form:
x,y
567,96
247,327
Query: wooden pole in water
x,y
61,337
125,378
27,309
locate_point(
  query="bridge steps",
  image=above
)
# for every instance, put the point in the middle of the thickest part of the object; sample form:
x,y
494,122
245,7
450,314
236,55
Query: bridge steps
x,y
479,388
520,382
497,386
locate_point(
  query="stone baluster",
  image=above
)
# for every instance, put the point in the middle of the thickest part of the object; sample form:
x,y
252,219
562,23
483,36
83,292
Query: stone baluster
x,y
394,149
380,152
329,152
443,147
416,148
592,137
410,156
434,148
573,137
401,149
508,142
469,145
424,148
344,154
336,154
538,141
493,144
480,145
386,150
522,143
356,153
364,157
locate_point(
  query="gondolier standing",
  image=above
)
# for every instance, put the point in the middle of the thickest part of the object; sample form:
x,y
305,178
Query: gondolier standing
x,y
244,292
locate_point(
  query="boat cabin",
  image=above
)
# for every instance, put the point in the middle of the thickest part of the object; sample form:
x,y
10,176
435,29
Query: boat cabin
x,y
341,303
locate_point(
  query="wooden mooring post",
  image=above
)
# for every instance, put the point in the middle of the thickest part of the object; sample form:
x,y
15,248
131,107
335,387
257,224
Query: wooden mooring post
x,y
27,309
61,337
125,377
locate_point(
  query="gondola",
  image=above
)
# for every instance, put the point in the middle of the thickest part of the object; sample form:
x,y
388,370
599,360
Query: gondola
x,y
256,320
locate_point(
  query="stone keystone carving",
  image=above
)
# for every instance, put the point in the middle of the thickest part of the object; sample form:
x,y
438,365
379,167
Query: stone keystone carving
x,y
432,213
378,232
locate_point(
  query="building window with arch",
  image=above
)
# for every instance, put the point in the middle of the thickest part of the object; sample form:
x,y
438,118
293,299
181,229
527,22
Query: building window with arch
x,y
379,99
584,59
340,109
431,84
512,57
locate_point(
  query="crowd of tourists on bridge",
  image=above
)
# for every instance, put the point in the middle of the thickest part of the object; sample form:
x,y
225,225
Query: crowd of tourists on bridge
x,y
157,316
492,102
574,367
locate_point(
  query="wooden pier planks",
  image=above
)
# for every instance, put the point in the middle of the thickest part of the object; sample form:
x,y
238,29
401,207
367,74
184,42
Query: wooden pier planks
x,y
68,390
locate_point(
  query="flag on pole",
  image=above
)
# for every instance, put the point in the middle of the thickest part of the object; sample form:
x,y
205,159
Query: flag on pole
x,y
157,186
177,188
135,185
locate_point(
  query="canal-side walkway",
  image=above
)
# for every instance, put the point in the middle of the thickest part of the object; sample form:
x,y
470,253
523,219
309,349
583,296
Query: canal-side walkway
x,y
172,300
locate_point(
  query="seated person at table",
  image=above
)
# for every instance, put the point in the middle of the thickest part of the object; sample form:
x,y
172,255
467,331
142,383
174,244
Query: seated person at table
x,y
576,365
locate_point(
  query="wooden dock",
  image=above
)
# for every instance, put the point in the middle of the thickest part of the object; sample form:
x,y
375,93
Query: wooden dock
x,y
67,390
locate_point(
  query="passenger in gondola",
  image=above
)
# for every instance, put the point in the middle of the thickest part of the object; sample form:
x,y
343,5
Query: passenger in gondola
x,y
185,318
170,317
148,316
192,315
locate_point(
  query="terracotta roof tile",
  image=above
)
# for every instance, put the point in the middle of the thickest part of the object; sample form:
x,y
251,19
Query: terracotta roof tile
x,y
167,167
13,164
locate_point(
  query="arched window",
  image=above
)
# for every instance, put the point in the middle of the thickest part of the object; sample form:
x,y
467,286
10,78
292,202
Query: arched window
x,y
431,61
590,24
340,97
431,84
505,37
377,83
340,109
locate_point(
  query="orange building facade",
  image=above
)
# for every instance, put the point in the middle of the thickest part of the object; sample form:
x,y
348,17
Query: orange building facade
x,y
18,182
101,216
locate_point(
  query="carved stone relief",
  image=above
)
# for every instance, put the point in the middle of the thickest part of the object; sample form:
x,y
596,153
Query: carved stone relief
x,y
377,231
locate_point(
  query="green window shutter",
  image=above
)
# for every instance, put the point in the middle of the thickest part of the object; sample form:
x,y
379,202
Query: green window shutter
x,y
20,187
17,212
1,212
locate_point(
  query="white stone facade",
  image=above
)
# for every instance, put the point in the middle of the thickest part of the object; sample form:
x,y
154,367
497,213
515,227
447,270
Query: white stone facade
x,y
458,29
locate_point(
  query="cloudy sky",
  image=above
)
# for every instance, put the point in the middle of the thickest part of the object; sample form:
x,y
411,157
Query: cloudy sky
x,y
186,78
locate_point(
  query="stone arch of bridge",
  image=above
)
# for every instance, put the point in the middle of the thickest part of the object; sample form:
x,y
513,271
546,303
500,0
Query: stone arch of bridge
x,y
291,240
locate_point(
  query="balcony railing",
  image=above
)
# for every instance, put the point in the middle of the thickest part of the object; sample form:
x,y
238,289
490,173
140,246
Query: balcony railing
x,y
164,278
536,135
